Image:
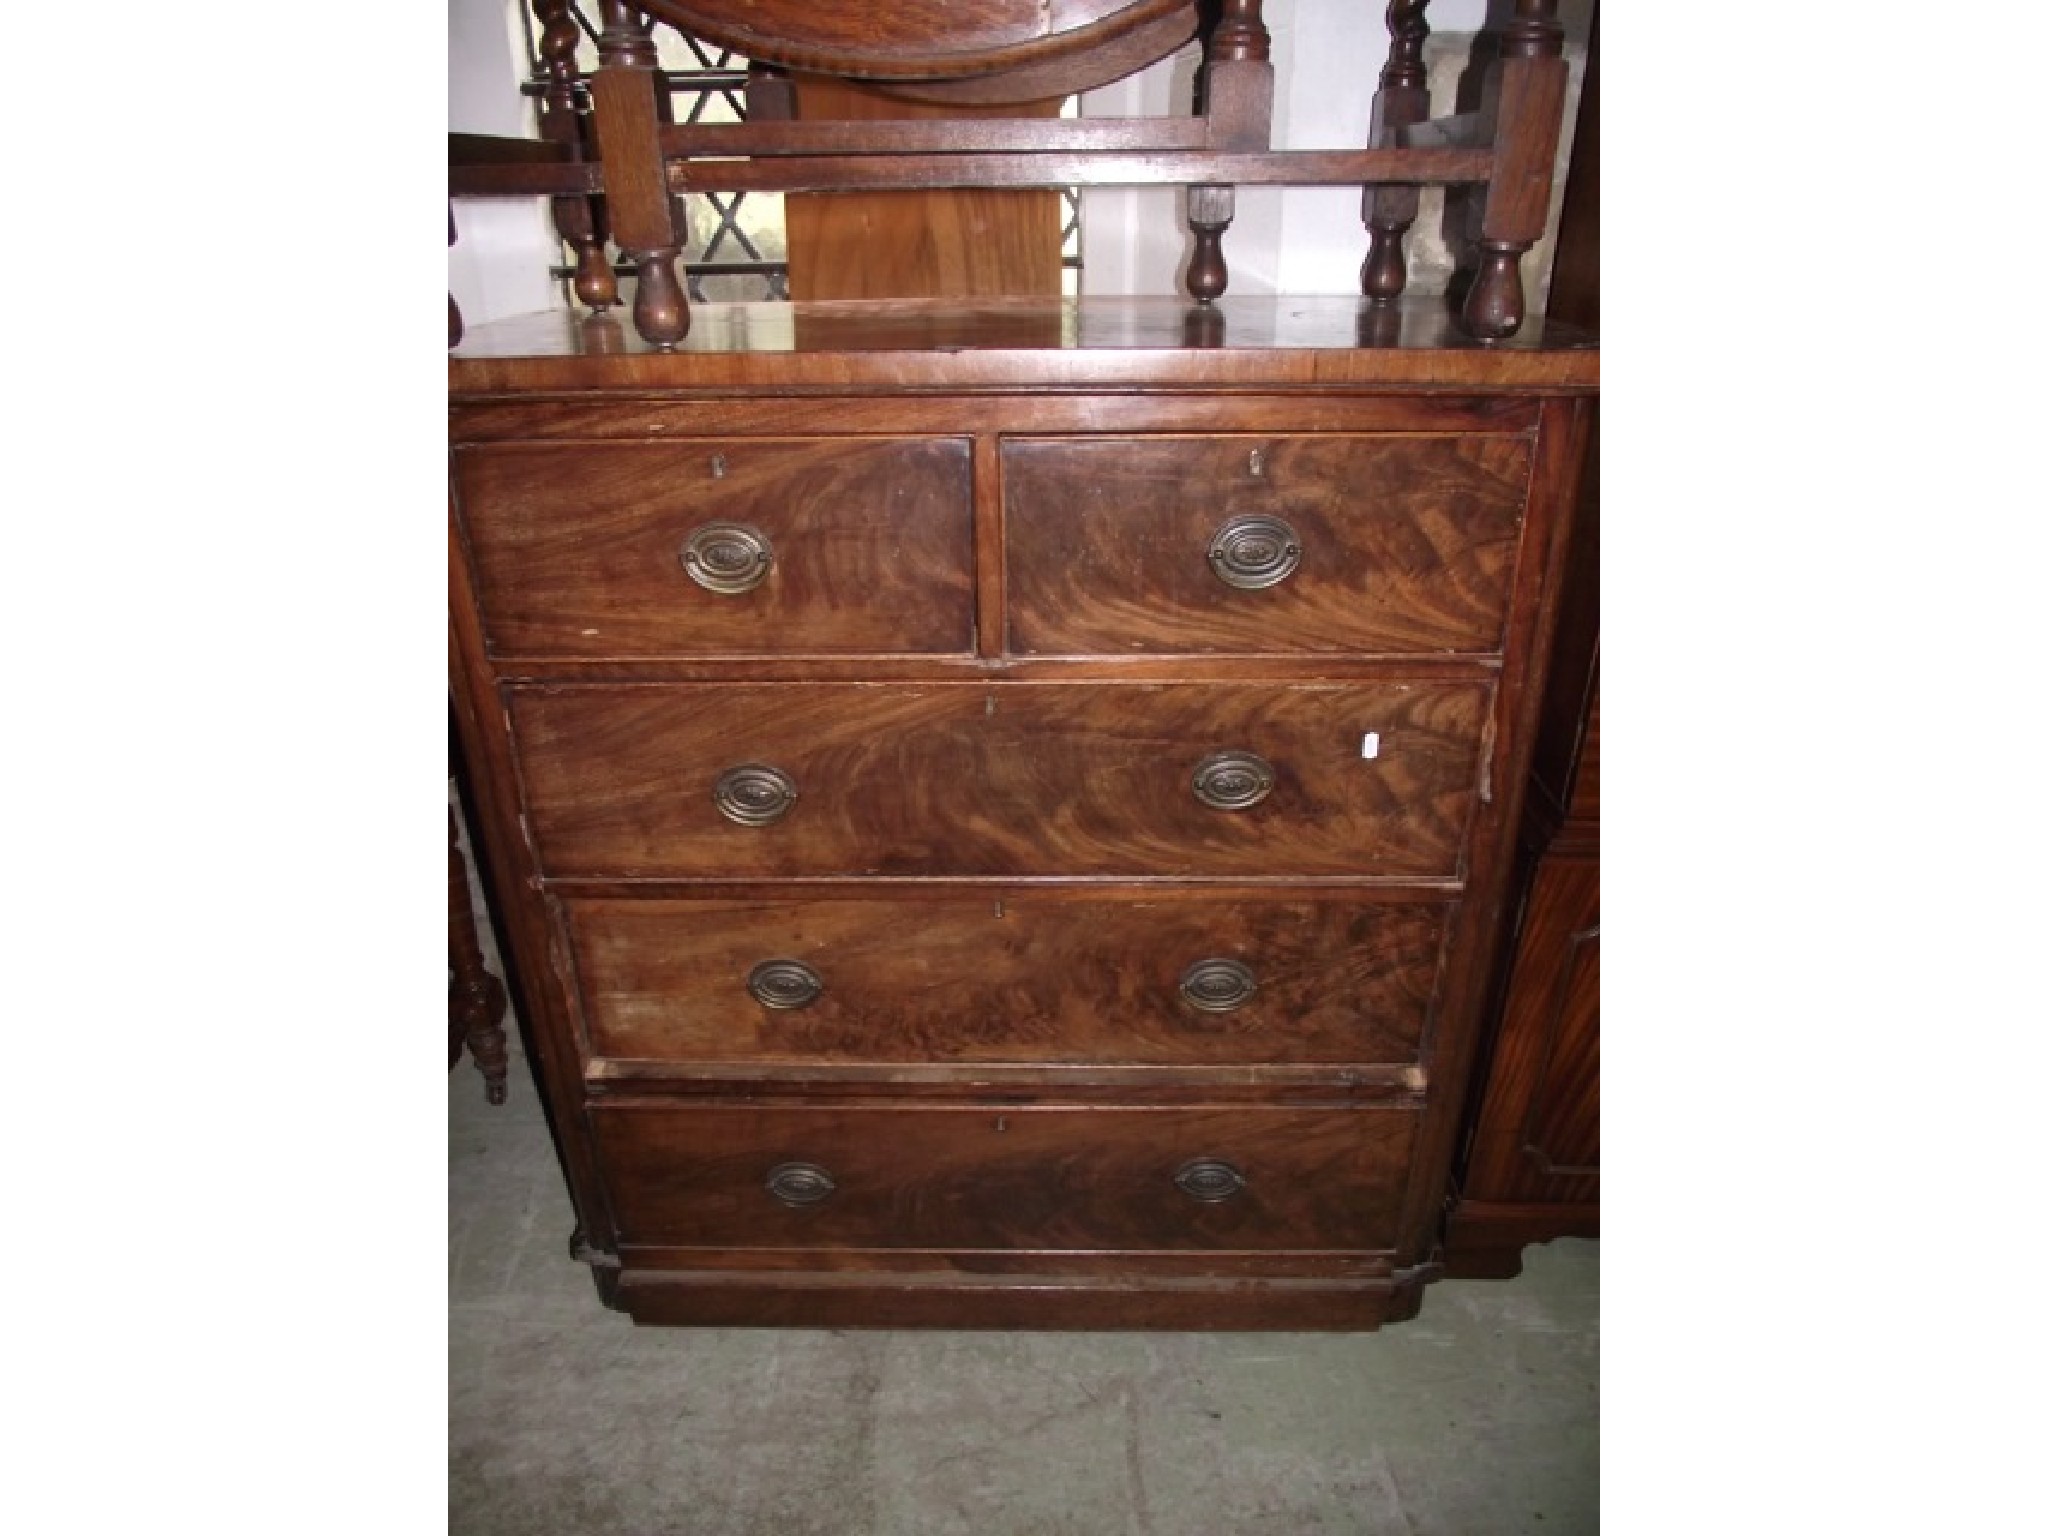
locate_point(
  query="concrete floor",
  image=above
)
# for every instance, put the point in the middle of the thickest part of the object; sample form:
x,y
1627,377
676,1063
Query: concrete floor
x,y
1479,1418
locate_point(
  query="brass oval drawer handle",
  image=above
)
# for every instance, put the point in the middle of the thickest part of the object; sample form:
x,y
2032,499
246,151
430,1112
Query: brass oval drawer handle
x,y
727,557
784,984
1218,985
1253,551
753,794
1233,781
800,1183
1209,1180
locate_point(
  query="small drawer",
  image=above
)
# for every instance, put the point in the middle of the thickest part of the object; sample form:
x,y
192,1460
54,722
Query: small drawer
x,y
1006,1178
1260,545
1011,977
1239,780
741,547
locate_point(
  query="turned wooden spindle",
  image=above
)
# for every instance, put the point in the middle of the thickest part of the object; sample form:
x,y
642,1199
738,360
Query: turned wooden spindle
x,y
1210,210
476,998
1402,99
578,220
454,310
1530,79
661,309
1236,85
626,40
1240,32
630,105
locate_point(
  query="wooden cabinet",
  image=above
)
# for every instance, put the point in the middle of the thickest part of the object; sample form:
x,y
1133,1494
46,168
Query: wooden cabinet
x,y
1003,817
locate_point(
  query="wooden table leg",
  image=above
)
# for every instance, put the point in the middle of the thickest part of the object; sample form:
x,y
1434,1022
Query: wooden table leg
x,y
476,998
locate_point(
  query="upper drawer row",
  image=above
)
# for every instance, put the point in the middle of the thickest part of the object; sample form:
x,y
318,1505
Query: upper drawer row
x,y
1112,546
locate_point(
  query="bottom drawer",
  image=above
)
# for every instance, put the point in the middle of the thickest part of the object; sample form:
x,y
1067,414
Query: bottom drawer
x,y
1017,1179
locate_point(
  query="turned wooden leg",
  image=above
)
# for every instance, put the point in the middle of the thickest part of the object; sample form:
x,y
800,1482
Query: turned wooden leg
x,y
1210,210
661,310
476,998
1236,90
1494,305
629,105
454,310
1528,104
1383,275
596,285
578,220
1403,98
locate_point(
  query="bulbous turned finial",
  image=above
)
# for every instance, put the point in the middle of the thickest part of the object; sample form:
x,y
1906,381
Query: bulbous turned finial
x,y
626,41
557,42
595,283
1210,210
1407,31
1240,32
1534,32
454,310
1383,276
1494,306
1208,274
661,313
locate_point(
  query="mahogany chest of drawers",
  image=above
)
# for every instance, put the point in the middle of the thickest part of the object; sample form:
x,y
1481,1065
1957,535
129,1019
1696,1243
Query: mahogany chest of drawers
x,y
999,813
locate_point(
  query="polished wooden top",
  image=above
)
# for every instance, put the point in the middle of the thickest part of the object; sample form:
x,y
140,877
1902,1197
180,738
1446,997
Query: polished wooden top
x,y
1251,341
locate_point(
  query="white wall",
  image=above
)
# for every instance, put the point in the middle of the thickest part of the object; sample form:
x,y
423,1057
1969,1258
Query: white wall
x,y
504,245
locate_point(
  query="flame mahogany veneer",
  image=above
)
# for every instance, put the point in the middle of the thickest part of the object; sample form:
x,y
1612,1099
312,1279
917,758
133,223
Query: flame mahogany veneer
x,y
1008,832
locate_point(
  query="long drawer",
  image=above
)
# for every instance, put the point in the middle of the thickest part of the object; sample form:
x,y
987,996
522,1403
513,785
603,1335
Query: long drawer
x,y
1008,1178
1120,546
715,547
1014,977
1010,779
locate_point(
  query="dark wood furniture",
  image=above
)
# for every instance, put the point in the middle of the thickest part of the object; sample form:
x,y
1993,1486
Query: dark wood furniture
x,y
1003,811
962,242
615,165
476,997
1531,1171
